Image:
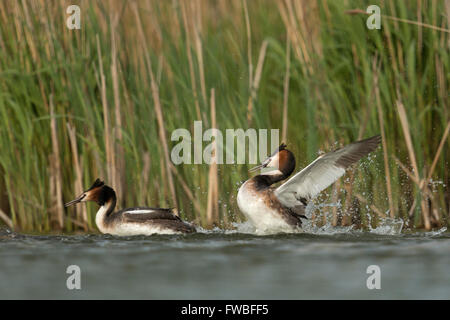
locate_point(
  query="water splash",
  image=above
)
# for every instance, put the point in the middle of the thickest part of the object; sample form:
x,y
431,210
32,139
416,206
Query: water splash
x,y
435,233
326,229
243,227
388,226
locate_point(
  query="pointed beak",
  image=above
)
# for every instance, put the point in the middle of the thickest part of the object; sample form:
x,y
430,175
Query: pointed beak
x,y
256,168
261,166
75,200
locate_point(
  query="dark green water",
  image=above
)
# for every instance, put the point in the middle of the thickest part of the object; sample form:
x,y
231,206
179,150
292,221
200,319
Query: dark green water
x,y
221,265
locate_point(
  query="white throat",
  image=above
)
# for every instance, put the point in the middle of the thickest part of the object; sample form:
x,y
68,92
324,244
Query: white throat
x,y
100,218
271,172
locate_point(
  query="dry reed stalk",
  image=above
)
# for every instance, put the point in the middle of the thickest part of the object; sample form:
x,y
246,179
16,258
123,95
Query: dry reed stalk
x,y
81,211
428,198
199,11
408,172
307,13
154,30
291,15
256,80
392,51
419,31
438,153
435,211
327,14
384,144
212,209
109,148
413,178
171,81
157,106
447,11
119,173
164,185
427,194
357,63
440,78
290,31
99,164
409,145
6,220
413,206
18,26
53,221
30,40
2,44
348,186
55,167
398,65
199,50
145,173
5,15
49,29
186,189
334,199
286,90
76,222
422,184
189,56
249,44
374,209
298,32
259,66
29,35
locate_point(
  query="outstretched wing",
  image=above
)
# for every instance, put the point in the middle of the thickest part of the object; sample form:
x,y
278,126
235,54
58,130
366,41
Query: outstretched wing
x,y
322,172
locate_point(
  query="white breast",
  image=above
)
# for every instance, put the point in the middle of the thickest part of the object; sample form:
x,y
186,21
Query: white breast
x,y
263,218
133,229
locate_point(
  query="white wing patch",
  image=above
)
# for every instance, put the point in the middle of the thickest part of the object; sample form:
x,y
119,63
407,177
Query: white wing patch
x,y
139,211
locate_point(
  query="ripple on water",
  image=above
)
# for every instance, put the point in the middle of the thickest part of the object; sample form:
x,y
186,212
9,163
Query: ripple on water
x,y
326,262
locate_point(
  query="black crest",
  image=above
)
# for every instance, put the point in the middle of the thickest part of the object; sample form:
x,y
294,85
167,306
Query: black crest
x,y
282,146
97,183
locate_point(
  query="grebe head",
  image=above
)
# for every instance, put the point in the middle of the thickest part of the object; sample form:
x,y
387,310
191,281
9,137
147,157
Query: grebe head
x,y
282,162
98,192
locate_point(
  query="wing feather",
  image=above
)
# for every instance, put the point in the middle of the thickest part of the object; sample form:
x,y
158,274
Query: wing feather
x,y
323,172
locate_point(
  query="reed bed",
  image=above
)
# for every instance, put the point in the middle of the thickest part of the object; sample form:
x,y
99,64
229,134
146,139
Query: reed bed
x,y
102,101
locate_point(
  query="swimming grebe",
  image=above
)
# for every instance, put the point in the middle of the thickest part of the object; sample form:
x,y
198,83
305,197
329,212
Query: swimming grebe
x,y
281,209
131,221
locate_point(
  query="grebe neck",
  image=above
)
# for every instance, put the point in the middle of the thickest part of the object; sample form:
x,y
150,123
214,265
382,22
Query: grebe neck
x,y
266,180
104,214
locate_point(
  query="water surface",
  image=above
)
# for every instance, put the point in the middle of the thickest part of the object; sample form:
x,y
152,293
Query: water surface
x,y
227,265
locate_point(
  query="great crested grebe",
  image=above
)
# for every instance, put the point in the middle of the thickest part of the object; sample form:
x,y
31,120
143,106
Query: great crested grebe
x,y
281,209
131,221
